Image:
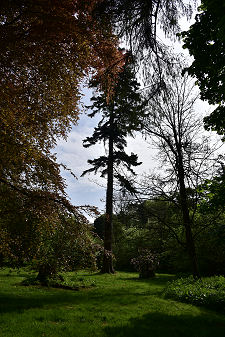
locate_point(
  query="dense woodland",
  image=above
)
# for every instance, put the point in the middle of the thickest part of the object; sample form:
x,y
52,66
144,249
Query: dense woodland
x,y
171,221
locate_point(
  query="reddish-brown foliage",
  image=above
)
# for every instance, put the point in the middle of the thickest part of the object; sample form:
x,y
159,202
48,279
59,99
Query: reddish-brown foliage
x,y
47,48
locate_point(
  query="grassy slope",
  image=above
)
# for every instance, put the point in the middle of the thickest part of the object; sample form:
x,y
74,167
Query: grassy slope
x,y
119,305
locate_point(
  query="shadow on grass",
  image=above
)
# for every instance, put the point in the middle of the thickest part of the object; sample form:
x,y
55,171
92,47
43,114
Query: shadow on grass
x,y
53,297
161,280
20,303
41,297
161,325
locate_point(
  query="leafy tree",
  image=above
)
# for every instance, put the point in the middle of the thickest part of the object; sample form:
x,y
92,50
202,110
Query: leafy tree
x,y
47,48
206,43
161,231
46,236
63,246
120,117
155,225
211,248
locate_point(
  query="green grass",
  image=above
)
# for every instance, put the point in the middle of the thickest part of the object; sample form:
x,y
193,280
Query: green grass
x,y
118,305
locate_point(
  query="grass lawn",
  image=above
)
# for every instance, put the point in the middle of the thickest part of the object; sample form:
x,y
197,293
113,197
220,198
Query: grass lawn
x,y
118,305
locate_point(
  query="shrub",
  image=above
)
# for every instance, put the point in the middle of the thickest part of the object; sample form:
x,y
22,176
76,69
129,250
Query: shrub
x,y
145,264
64,246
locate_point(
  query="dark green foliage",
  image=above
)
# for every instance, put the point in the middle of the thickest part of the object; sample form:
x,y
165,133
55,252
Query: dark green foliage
x,y
120,118
99,227
209,292
216,121
213,196
141,228
211,248
157,225
206,43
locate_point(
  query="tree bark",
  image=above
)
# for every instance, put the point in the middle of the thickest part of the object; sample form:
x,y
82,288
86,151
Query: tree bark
x,y
187,221
108,230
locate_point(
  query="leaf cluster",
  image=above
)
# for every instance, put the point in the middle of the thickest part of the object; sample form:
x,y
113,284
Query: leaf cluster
x,y
205,42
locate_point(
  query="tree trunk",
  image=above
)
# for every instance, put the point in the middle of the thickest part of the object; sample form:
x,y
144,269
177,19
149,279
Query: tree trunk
x,y
43,275
187,221
108,232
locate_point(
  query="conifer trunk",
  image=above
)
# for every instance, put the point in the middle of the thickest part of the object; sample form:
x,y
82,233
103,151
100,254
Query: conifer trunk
x,y
108,230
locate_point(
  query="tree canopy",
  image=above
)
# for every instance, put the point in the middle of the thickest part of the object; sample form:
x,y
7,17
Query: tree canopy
x,y
120,118
46,48
206,43
138,23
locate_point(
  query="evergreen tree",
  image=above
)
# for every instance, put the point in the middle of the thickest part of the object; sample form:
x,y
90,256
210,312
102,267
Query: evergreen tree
x,y
120,117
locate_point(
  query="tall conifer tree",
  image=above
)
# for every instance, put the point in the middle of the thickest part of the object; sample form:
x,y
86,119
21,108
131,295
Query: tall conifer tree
x,y
121,116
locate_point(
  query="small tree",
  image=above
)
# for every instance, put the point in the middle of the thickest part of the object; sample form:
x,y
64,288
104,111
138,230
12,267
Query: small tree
x,y
49,236
63,246
120,117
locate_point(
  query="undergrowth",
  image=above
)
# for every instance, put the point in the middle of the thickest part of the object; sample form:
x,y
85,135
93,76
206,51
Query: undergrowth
x,y
209,291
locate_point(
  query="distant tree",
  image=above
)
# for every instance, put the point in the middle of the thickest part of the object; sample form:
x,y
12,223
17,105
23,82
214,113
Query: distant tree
x,y
205,41
120,118
155,225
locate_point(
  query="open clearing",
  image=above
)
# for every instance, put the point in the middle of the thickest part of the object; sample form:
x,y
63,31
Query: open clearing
x,y
114,305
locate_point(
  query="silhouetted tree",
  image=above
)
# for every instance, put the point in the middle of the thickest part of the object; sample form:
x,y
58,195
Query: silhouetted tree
x,y
120,117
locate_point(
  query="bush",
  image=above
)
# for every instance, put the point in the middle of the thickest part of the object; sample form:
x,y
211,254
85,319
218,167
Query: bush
x,y
65,245
145,264
209,291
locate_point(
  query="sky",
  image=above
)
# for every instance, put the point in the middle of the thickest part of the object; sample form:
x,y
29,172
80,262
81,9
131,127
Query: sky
x,y
91,189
